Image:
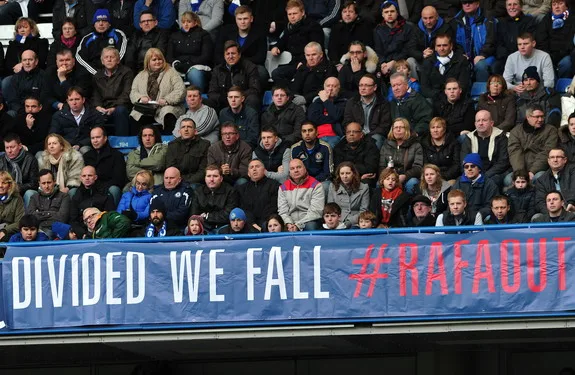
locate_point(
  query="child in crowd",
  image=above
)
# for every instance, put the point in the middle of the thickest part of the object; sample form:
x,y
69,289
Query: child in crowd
x,y
401,66
367,220
332,217
28,226
195,226
275,224
522,194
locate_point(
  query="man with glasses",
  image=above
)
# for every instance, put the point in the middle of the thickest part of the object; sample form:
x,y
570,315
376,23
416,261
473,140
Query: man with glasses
x,y
529,144
188,153
369,109
231,154
478,188
107,224
559,176
359,61
355,147
491,145
163,9
147,35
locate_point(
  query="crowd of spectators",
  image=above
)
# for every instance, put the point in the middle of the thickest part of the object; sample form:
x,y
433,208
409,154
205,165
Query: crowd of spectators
x,y
371,122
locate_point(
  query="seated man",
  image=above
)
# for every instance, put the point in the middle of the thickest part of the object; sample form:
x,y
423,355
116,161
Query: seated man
x,y
245,118
165,12
559,176
274,154
458,214
421,212
443,65
528,56
351,28
63,76
314,153
159,225
409,104
554,212
22,166
32,125
536,93
188,153
74,121
109,163
359,149
147,36
104,35
327,111
457,110
478,188
428,29
514,23
215,200
555,36
112,86
176,196
369,109
491,145
502,212
235,71
28,227
91,193
107,224
284,115
530,143
205,117
231,154
259,196
30,81
310,76
358,61
238,223
50,204
300,199
150,154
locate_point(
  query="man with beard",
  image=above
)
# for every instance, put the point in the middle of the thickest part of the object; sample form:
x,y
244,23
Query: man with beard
x,y
159,225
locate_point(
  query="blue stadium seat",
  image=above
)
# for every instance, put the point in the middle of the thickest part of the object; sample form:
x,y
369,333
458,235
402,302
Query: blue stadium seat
x,y
124,144
562,84
477,89
167,139
204,96
267,100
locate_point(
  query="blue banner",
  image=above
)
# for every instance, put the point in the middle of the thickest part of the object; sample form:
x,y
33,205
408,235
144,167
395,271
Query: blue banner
x,y
289,278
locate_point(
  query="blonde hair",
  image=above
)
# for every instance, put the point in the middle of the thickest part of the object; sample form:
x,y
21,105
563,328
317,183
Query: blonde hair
x,y
148,175
406,126
5,176
385,174
65,144
422,184
33,26
191,16
151,53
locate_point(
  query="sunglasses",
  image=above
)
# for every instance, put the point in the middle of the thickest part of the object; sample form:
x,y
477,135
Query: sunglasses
x,y
469,166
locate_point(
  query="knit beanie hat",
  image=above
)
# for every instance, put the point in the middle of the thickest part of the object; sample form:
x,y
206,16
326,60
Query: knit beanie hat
x,y
531,72
158,205
101,15
474,159
238,213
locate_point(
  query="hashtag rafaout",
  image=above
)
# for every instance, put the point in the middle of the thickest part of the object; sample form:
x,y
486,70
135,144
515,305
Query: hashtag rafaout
x,y
373,276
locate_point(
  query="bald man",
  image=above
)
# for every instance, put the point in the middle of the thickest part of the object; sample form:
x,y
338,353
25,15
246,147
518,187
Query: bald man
x,y
301,199
327,111
428,27
176,195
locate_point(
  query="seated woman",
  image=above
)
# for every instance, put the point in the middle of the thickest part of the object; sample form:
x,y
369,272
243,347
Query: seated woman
x,y
442,149
150,155
135,204
275,224
567,138
159,84
389,203
191,50
500,102
11,206
210,12
68,38
435,188
64,161
402,152
349,193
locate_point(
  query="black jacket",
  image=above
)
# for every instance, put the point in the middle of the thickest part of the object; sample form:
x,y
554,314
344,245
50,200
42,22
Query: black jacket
x,y
399,209
254,48
217,203
380,115
15,49
58,46
114,90
523,201
57,91
295,38
425,39
508,29
459,116
567,142
177,201
365,156
272,159
243,74
96,196
546,183
258,199
287,121
139,44
496,164
558,43
92,44
122,13
23,84
393,46
433,82
342,34
28,168
63,123
446,156
49,208
190,156
33,138
83,12
478,194
194,47
309,81
328,112
109,164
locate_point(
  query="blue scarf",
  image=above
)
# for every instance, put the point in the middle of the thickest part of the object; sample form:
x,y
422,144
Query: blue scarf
x,y
479,179
195,4
559,20
151,230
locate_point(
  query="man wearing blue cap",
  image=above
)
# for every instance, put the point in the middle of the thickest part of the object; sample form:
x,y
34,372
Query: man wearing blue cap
x,y
238,223
478,188
104,35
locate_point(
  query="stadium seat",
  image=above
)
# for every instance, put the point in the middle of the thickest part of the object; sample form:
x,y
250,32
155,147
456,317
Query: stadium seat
x,y
477,89
124,144
167,139
562,84
267,100
272,62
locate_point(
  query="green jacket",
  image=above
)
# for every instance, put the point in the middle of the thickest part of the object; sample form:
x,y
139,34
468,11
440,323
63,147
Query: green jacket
x,y
11,211
112,225
155,162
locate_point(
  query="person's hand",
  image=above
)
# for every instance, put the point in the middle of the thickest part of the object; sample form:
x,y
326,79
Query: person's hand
x,y
427,52
519,88
162,102
76,147
144,99
402,178
281,169
109,111
478,59
367,176
64,189
298,65
272,29
338,67
355,64
17,68
226,169
60,106
531,175
2,235
257,227
102,110
570,207
61,73
292,228
323,95
30,120
148,3
463,132
276,51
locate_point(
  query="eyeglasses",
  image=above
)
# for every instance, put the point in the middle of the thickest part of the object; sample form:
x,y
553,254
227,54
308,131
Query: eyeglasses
x,y
495,83
539,116
353,131
142,184
556,157
355,52
146,21
229,134
366,84
90,217
469,166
